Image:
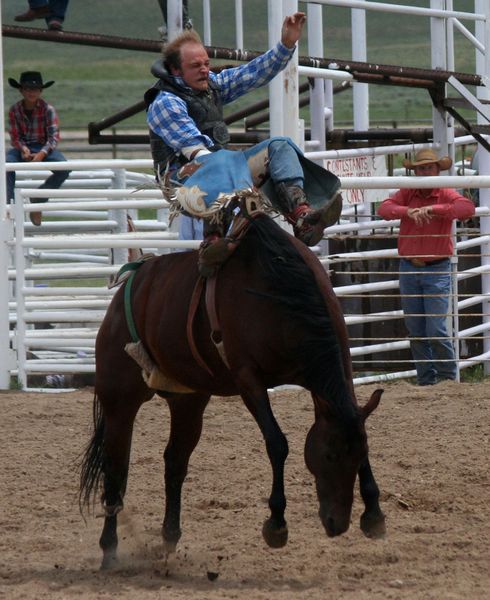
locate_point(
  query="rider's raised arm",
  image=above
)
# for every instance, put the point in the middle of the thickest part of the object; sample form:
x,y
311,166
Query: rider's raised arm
x,y
239,80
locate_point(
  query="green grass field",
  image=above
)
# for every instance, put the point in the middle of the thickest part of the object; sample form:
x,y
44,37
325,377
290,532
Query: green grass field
x,y
93,83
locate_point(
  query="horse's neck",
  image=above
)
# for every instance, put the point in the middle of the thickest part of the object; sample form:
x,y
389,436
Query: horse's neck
x,y
333,305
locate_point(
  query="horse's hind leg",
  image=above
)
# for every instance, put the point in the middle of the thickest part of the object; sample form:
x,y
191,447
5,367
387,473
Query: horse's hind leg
x,y
186,414
117,444
118,430
372,519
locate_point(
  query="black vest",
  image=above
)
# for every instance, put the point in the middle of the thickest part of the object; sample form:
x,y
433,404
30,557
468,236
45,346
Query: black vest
x,y
204,108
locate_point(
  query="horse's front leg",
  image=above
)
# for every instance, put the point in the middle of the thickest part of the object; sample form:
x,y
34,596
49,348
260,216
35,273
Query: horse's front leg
x,y
372,519
186,416
275,529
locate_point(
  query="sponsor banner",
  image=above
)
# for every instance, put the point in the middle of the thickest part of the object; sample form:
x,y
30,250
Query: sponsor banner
x,y
359,166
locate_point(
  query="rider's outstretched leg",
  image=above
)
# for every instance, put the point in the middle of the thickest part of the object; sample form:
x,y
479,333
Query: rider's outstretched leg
x,y
308,224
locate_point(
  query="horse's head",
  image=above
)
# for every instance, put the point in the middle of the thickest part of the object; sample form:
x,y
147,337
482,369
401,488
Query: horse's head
x,y
334,451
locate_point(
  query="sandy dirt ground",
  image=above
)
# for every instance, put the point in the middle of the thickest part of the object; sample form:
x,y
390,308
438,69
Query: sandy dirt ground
x,y
429,449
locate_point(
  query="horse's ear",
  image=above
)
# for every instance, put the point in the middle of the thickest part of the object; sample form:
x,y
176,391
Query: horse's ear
x,y
371,404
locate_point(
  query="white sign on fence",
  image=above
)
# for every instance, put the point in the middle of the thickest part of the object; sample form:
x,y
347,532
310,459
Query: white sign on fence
x,y
359,166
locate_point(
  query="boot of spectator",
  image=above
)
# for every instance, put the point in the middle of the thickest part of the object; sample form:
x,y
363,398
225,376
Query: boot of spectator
x,y
33,13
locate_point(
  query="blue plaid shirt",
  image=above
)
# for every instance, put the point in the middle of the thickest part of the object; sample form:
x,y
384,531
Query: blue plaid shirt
x,y
168,116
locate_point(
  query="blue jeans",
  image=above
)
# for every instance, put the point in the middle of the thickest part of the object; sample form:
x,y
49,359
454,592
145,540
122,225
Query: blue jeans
x,y
57,8
190,228
425,293
274,158
53,182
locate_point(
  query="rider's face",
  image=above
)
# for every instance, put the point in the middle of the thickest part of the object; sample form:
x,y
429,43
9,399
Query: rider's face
x,y
194,68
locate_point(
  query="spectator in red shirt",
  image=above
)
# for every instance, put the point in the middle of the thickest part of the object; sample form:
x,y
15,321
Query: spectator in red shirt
x,y
34,134
425,245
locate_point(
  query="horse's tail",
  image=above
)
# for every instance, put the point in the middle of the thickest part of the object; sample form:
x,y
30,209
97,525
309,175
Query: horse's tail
x,y
91,466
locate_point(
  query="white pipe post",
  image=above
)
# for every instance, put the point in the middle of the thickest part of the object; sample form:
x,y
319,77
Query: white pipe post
x,y
275,18
450,65
20,284
450,39
318,108
360,91
290,96
174,18
482,31
5,230
206,10
120,255
442,123
239,24
317,91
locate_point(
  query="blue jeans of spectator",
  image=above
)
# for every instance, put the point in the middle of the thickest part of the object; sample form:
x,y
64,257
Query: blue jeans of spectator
x,y
53,182
425,293
57,8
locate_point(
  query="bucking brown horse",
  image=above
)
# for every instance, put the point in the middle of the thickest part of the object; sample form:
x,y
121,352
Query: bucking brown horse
x,y
273,314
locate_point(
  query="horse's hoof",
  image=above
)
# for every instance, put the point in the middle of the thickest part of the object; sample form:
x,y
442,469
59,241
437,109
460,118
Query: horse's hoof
x,y
275,537
169,547
109,562
373,526
170,539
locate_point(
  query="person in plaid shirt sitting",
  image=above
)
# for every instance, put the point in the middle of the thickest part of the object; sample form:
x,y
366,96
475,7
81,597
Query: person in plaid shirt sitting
x,y
34,134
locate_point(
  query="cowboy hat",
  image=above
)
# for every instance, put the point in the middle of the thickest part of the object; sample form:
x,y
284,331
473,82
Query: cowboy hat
x,y
428,157
30,79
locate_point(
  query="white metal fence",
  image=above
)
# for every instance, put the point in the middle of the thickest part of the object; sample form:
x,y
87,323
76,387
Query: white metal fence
x,y
83,240
59,272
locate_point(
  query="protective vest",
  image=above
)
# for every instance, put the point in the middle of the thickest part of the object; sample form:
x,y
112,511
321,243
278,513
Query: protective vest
x,y
205,108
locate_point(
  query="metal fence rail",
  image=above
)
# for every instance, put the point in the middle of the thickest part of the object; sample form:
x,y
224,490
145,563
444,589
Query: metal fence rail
x,y
74,312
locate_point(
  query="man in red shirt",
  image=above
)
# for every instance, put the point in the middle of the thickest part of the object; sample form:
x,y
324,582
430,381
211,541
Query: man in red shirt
x,y
425,245
34,133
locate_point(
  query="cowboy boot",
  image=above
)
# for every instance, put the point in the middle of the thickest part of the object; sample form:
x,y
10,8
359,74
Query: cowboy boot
x,y
215,248
213,252
33,14
308,223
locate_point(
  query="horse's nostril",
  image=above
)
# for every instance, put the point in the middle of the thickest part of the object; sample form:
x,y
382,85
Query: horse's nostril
x,y
333,527
330,526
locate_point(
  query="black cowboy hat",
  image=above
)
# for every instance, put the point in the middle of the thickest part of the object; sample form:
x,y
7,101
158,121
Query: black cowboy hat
x,y
30,79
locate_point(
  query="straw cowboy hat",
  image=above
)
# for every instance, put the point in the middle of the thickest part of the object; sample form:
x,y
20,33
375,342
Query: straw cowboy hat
x,y
30,79
428,157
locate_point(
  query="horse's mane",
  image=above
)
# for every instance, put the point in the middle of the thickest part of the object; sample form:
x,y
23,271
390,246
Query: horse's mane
x,y
298,295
